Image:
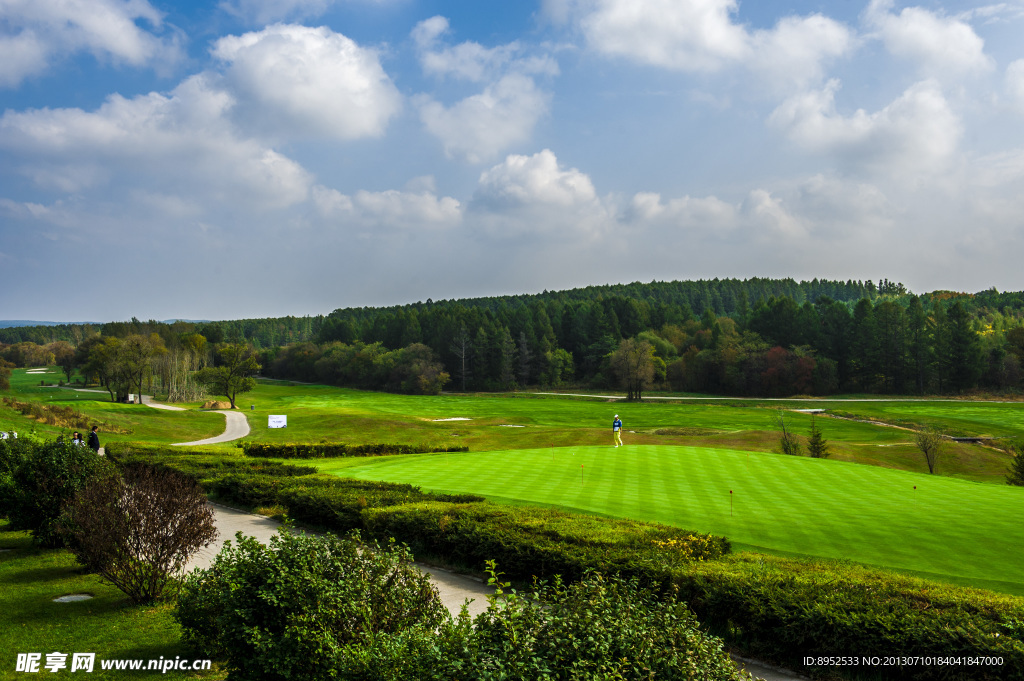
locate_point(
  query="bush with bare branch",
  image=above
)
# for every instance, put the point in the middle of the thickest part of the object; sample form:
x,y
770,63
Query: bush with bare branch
x,y
931,444
787,438
138,530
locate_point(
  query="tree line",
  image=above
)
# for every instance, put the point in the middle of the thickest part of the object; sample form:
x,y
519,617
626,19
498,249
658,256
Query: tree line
x,y
757,337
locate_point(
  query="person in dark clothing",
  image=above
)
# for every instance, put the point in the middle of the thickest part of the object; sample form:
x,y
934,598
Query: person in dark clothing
x,y
94,440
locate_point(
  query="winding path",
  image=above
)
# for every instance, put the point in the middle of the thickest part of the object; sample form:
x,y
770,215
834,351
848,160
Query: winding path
x,y
236,425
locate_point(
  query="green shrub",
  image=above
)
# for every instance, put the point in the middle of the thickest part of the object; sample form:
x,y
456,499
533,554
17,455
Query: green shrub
x,y
335,449
13,453
531,542
783,609
598,628
339,503
288,610
44,480
601,627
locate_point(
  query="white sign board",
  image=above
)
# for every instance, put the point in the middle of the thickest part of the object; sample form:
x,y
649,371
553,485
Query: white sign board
x,y
277,421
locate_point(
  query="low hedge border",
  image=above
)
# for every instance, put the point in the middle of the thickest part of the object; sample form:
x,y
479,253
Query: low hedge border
x,y
779,609
327,450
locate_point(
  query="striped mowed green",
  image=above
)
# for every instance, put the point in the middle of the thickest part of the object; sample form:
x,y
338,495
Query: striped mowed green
x,y
964,531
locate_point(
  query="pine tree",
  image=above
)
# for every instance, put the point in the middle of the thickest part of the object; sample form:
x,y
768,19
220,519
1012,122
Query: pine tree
x,y
1015,476
817,446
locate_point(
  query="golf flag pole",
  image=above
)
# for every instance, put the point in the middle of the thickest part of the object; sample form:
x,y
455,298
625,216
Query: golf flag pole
x,y
730,502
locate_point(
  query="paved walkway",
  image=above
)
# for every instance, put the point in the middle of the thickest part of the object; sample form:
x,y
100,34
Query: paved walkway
x,y
455,589
236,425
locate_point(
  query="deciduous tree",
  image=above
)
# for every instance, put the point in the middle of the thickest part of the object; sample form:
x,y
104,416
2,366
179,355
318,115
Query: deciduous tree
x,y
63,356
633,363
235,373
931,444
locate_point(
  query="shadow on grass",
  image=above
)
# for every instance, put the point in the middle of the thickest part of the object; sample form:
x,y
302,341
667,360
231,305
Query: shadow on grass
x,y
75,614
42,575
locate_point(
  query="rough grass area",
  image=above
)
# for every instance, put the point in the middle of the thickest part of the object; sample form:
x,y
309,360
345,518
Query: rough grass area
x,y
30,578
951,529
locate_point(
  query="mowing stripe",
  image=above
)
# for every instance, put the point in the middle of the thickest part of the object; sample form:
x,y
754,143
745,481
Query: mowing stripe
x,y
821,508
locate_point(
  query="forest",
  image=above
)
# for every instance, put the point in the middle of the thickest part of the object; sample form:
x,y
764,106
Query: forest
x,y
752,337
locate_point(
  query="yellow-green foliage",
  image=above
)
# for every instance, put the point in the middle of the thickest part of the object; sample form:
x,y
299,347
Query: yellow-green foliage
x,y
60,416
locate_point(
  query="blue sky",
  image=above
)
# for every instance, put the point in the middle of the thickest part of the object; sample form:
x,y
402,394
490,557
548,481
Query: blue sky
x,y
267,157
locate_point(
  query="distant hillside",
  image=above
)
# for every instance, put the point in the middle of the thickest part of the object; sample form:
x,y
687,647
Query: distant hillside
x,y
11,323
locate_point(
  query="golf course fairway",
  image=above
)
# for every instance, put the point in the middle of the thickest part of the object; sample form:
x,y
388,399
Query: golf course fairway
x,y
965,532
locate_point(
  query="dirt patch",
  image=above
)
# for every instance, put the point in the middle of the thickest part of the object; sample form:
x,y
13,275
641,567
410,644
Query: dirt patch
x,y
215,404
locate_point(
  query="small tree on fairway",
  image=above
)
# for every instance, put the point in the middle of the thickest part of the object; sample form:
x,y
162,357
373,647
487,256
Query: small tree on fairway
x,y
234,375
787,440
931,444
817,446
1015,476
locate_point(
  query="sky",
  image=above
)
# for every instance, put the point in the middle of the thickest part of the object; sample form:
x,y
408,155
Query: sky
x,y
255,158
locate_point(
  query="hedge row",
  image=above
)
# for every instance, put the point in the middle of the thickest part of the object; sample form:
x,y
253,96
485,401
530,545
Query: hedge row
x,y
336,449
779,609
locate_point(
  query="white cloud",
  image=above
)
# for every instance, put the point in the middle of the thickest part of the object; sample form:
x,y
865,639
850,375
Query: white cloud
x,y
1015,84
690,35
182,142
309,82
688,213
769,215
535,180
470,60
34,32
916,133
702,36
388,210
941,46
261,12
480,126
535,195
794,52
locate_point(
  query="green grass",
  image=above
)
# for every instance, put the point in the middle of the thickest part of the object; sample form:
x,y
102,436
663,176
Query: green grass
x,y
138,421
952,529
30,578
324,413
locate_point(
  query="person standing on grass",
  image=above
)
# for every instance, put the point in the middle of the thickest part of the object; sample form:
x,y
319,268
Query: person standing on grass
x,y
94,440
617,430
